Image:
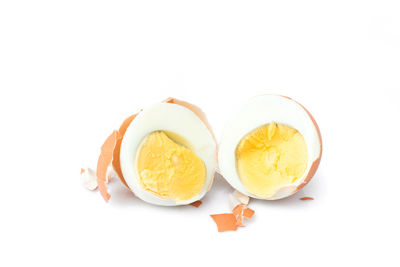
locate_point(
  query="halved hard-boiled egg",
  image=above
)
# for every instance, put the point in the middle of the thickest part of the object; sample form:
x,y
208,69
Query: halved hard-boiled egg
x,y
166,154
271,148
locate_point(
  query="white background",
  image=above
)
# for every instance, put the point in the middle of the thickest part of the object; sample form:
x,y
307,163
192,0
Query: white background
x,y
71,71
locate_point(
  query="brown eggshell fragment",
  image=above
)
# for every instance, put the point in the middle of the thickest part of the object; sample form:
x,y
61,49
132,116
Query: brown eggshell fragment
x,y
120,135
248,213
196,203
239,220
306,198
225,222
241,211
104,161
237,211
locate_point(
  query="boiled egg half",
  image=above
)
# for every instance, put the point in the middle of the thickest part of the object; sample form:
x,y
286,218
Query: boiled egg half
x,y
167,154
271,148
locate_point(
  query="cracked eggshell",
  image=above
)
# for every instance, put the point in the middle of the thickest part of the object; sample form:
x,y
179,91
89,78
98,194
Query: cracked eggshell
x,y
261,110
174,118
88,178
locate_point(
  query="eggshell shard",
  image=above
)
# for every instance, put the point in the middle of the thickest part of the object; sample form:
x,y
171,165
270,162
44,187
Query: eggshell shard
x,y
225,222
103,162
230,221
248,213
242,211
89,178
262,110
306,198
239,221
196,203
238,210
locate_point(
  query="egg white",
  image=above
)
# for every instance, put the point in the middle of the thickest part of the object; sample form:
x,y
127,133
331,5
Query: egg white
x,y
261,110
176,119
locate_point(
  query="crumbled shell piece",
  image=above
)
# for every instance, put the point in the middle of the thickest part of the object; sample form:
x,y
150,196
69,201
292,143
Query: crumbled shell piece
x,y
196,203
240,211
225,222
89,179
248,213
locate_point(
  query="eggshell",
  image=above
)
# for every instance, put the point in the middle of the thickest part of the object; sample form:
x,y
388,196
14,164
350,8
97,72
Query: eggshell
x,y
196,203
261,110
248,213
230,221
306,198
104,161
238,212
89,179
225,222
242,211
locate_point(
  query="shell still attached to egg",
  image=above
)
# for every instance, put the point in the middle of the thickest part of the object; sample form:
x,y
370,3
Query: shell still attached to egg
x,y
271,148
166,154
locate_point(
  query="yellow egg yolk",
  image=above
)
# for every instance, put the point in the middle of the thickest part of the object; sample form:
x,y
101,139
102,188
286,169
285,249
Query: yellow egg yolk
x,y
168,169
269,157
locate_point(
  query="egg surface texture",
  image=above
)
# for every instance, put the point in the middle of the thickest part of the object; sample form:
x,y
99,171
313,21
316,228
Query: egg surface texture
x,y
168,169
168,155
269,157
271,148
